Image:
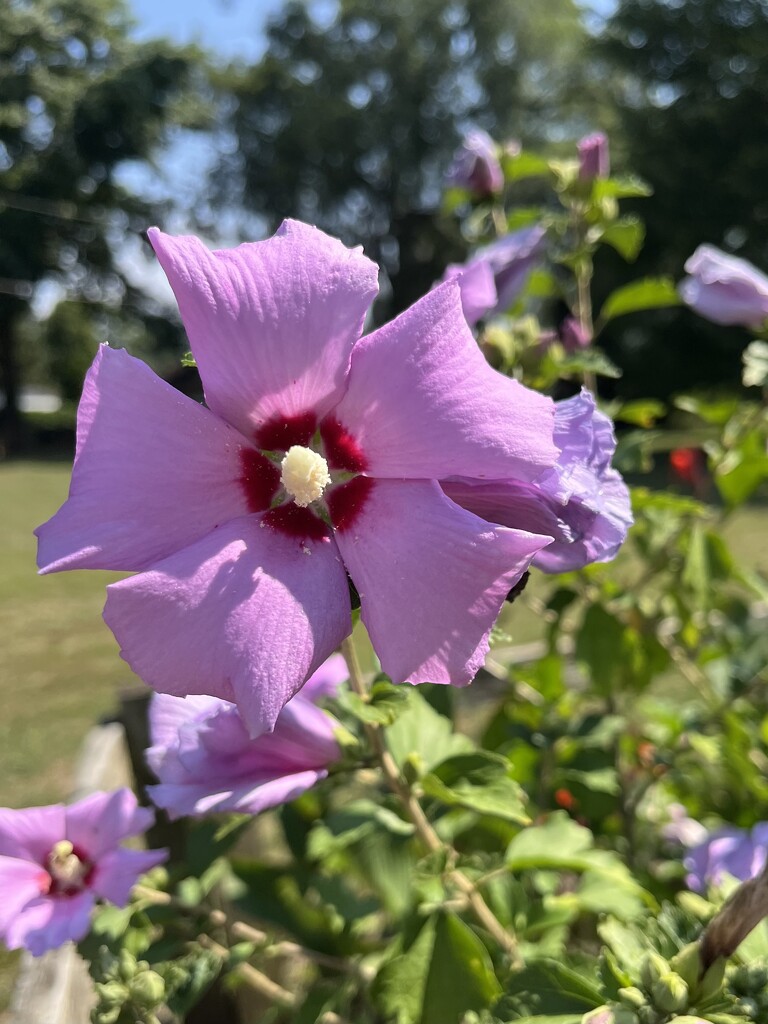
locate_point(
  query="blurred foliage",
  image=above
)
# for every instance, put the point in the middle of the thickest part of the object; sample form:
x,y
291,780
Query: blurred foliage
x,y
78,100
351,125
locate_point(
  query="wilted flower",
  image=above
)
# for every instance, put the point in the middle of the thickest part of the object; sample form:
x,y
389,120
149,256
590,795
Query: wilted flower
x,y
206,761
318,455
476,165
725,289
583,502
730,850
493,278
573,335
594,157
56,861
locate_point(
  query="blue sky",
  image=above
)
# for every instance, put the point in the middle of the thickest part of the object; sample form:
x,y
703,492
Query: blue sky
x,y
232,28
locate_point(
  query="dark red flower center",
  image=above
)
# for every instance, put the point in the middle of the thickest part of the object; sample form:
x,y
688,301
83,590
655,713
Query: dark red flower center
x,y
271,475
69,870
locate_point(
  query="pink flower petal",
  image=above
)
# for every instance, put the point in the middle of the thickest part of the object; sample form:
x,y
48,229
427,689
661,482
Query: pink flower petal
x,y
154,471
98,823
271,324
30,833
431,578
245,614
248,797
118,871
328,679
21,881
422,402
48,922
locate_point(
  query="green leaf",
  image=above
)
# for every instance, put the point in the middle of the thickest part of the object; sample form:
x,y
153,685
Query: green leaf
x,y
626,235
386,703
524,165
628,187
479,782
592,360
554,988
202,971
461,976
423,738
399,987
642,412
648,293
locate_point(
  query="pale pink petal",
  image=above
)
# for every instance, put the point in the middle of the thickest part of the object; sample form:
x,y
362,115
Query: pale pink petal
x,y
50,921
271,324
21,881
100,821
422,402
167,717
245,614
246,797
31,833
154,471
432,578
119,870
328,679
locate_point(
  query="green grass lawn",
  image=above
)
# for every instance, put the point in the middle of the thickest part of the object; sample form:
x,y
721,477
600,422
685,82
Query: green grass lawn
x,y
59,664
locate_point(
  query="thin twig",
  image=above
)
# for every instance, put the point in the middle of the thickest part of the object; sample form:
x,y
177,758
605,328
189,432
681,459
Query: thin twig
x,y
424,829
253,977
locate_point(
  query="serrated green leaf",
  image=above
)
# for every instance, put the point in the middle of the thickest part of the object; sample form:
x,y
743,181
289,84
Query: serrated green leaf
x,y
648,293
479,782
591,360
629,187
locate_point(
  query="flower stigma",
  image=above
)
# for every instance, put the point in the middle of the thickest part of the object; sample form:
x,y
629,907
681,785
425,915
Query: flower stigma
x,y
66,869
304,474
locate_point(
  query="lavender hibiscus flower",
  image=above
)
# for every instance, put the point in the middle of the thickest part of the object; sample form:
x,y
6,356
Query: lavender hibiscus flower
x,y
729,850
318,455
493,278
725,289
582,502
206,761
594,156
56,861
476,165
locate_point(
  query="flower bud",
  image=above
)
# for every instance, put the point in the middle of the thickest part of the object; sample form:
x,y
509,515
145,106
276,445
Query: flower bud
x,y
654,966
670,993
632,996
712,982
594,158
687,963
111,994
147,990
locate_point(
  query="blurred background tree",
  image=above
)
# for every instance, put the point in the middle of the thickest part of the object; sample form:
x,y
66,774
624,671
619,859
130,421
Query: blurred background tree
x,y
350,123
689,84
78,101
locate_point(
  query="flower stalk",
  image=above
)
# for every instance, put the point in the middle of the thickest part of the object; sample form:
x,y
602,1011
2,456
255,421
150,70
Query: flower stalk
x,y
426,833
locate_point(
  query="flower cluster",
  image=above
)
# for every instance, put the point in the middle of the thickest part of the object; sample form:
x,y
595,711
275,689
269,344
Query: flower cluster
x,y
56,861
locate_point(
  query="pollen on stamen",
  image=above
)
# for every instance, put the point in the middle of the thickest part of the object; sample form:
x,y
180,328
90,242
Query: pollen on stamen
x,y
304,474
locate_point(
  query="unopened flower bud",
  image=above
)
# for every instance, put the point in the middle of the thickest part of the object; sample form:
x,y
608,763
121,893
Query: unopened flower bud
x,y
147,990
654,966
687,963
126,965
632,996
670,993
112,993
712,982
594,158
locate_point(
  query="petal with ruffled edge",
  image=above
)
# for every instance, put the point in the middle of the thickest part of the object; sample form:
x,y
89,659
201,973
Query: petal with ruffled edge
x,y
99,822
432,578
271,324
21,881
31,832
245,614
119,870
422,402
48,922
154,471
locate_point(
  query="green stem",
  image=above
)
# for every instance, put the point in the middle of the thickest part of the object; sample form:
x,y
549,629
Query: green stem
x,y
421,823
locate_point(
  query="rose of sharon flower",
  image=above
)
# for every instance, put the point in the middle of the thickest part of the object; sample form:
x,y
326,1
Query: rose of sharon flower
x,y
493,278
730,850
583,502
594,157
318,455
725,289
56,861
476,165
206,761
